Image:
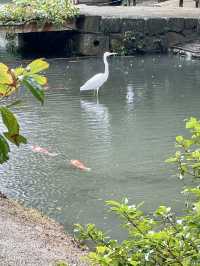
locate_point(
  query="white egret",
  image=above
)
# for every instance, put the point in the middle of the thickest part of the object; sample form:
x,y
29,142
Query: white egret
x,y
98,80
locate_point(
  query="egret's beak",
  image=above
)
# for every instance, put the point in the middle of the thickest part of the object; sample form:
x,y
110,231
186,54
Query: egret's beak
x,y
113,53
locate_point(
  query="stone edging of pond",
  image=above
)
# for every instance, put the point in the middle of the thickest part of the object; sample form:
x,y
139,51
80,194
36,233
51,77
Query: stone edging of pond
x,y
130,30
125,30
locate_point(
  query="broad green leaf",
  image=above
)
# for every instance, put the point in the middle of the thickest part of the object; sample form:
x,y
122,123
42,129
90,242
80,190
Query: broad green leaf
x,y
179,139
195,191
162,235
15,138
5,76
35,88
178,154
162,210
197,207
196,165
171,160
6,90
4,150
183,168
3,67
101,249
195,154
191,123
39,79
61,263
187,143
37,66
113,203
19,71
9,120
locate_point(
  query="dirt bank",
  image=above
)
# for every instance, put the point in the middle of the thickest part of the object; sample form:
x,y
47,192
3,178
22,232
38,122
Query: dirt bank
x,y
29,238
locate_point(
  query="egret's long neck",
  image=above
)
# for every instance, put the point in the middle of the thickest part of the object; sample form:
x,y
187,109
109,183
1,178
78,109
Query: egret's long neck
x,y
106,66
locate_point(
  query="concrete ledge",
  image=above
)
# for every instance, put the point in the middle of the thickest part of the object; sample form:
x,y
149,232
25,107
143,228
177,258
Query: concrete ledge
x,y
139,12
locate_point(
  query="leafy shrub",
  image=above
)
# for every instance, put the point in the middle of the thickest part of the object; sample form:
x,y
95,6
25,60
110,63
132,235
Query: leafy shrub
x,y
61,263
187,156
10,82
159,239
50,11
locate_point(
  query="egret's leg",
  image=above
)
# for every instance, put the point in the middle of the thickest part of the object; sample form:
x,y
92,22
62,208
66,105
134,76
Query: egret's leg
x,y
98,96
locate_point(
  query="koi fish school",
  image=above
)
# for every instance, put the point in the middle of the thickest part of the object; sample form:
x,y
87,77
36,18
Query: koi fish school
x,y
75,163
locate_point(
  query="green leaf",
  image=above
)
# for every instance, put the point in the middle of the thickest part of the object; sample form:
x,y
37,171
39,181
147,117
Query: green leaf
x,y
187,143
171,160
35,88
15,138
4,150
19,71
101,249
194,191
39,79
191,123
162,211
37,66
113,203
179,139
5,76
162,235
196,165
6,90
61,263
197,207
9,120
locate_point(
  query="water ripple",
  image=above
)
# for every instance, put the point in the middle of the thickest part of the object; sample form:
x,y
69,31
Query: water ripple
x,y
124,137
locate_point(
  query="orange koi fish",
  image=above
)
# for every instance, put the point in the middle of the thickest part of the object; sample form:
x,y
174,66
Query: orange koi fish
x,y
39,149
79,165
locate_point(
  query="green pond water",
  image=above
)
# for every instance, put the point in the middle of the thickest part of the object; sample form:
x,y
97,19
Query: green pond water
x,y
124,138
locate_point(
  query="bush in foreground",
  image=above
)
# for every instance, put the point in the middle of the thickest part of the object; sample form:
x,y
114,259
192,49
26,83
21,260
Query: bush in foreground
x,y
11,81
162,238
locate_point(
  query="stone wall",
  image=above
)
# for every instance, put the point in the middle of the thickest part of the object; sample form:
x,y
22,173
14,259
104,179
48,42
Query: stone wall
x,y
94,34
97,34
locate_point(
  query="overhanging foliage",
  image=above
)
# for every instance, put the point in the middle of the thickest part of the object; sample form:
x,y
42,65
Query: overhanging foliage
x,y
10,82
45,11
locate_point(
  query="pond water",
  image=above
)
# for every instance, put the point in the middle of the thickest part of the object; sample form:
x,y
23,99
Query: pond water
x,y
124,138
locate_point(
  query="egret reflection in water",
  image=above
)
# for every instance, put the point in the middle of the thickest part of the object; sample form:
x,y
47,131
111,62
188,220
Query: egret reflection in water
x,y
96,117
130,97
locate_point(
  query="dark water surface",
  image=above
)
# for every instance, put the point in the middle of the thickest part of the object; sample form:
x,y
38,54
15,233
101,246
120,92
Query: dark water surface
x,y
124,138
